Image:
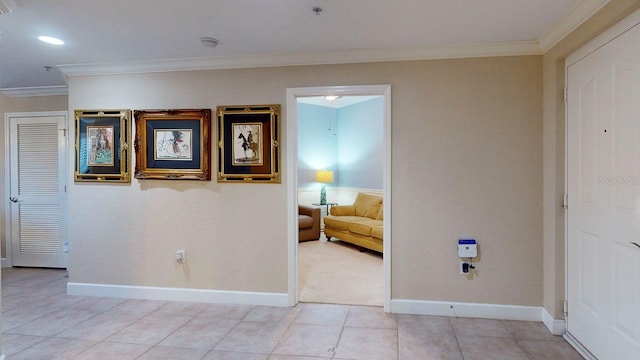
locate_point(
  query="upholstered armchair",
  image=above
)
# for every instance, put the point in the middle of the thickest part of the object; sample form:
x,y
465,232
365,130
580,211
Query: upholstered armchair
x,y
308,223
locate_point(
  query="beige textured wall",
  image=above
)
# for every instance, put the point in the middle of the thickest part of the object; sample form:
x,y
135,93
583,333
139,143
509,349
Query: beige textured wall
x,y
554,143
467,160
21,104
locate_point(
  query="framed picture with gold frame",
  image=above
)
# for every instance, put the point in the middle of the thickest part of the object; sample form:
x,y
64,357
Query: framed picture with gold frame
x,y
173,144
102,145
248,143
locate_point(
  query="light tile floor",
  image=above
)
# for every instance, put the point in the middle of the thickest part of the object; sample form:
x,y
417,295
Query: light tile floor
x,y
39,321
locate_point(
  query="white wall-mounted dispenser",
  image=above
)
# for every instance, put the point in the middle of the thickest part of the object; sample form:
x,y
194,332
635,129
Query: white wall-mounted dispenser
x,y
467,248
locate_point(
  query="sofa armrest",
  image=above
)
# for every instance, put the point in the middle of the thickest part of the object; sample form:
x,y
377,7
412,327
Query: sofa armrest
x,y
343,210
312,233
309,211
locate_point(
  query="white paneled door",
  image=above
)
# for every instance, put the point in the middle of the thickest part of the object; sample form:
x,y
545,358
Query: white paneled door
x,y
603,179
36,192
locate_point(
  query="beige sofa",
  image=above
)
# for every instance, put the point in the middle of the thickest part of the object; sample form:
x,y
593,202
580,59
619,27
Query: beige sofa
x,y
359,224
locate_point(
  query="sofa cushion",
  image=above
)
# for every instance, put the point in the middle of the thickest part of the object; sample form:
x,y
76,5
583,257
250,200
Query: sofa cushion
x,y
367,205
364,227
343,210
305,222
341,222
377,231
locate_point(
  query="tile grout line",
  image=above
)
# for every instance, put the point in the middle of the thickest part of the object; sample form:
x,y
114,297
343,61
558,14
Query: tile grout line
x,y
286,331
335,349
455,335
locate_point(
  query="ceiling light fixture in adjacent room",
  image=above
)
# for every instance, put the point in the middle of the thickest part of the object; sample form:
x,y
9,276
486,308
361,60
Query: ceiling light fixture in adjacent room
x,y
332,97
50,40
209,41
7,6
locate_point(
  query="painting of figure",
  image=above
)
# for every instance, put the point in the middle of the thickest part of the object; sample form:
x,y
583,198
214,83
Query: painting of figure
x,y
100,145
173,144
247,144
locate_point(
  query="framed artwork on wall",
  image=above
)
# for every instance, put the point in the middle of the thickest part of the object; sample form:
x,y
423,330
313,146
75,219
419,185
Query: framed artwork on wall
x,y
248,143
173,144
102,146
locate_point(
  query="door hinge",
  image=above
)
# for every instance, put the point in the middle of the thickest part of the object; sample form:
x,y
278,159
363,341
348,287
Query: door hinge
x,y
64,132
566,308
565,201
65,188
565,96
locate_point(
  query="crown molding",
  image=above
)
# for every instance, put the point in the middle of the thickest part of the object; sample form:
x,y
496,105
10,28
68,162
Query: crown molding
x,y
35,91
576,16
314,58
340,102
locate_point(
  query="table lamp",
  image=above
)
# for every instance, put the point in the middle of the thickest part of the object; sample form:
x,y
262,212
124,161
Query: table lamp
x,y
324,177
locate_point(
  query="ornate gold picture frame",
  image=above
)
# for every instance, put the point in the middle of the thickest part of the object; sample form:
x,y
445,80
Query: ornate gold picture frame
x,y
102,146
248,143
173,144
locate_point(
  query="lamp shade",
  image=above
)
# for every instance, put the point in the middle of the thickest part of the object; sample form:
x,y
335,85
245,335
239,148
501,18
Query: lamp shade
x,y
324,176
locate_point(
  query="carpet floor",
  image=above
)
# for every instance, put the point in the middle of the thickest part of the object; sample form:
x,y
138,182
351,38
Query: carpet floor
x,y
338,273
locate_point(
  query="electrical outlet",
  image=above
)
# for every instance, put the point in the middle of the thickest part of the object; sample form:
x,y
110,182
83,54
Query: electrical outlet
x,y
464,268
181,256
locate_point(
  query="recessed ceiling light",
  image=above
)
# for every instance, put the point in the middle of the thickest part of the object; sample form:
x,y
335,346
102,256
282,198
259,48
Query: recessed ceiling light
x,y
50,40
332,97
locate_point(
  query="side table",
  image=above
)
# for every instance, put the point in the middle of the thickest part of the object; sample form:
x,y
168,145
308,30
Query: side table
x,y
328,206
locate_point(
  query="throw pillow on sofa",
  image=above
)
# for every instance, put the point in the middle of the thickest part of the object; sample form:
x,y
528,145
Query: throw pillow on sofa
x,y
367,205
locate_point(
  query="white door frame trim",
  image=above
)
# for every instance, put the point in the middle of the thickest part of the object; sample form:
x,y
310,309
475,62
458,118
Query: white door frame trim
x,y
613,32
292,176
7,261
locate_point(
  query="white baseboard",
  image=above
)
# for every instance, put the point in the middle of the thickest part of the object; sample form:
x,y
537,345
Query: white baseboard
x,y
485,311
556,326
178,294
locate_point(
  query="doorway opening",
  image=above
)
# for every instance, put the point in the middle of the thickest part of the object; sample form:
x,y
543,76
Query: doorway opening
x,y
304,165
340,151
